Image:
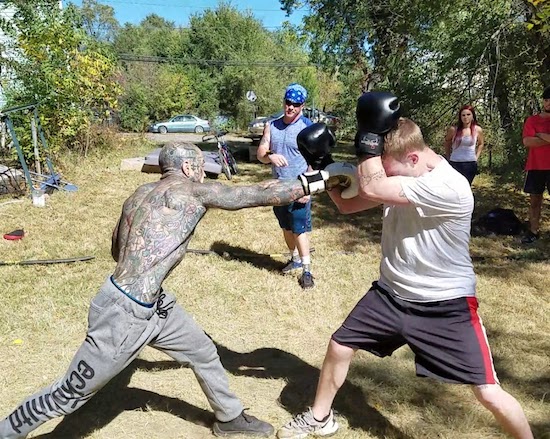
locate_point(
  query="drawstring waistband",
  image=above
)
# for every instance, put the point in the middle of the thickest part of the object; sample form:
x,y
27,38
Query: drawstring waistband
x,y
162,308
146,305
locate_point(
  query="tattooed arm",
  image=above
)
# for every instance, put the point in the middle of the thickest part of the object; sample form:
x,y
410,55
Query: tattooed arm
x,y
267,193
263,149
375,185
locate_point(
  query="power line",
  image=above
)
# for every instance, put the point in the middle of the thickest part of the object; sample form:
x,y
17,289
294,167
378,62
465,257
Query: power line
x,y
207,62
191,7
128,2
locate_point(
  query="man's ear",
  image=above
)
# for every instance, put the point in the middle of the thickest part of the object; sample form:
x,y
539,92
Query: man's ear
x,y
413,157
186,168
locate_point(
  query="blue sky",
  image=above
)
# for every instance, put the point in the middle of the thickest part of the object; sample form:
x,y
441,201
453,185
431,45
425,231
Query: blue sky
x,y
268,12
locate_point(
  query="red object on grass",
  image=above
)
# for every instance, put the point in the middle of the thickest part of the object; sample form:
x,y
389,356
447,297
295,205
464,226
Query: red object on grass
x,y
15,235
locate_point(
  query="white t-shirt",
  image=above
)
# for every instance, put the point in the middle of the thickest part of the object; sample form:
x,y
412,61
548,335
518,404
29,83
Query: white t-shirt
x,y
425,245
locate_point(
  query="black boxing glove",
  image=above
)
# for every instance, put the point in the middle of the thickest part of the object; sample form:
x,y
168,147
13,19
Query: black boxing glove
x,y
315,143
377,113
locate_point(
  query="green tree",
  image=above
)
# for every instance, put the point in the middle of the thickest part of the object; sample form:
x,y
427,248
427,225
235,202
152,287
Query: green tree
x,y
55,63
229,46
153,90
98,20
437,56
223,54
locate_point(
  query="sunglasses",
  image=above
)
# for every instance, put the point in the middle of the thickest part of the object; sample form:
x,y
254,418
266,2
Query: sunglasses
x,y
292,104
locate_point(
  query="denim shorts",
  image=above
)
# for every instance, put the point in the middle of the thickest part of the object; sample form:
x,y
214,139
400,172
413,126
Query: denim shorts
x,y
295,217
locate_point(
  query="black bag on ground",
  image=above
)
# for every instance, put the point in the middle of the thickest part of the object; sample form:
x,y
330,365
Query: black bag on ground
x,y
498,222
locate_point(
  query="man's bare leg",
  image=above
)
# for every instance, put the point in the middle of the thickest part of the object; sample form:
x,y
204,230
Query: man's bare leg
x,y
319,420
506,410
289,240
302,243
535,208
333,374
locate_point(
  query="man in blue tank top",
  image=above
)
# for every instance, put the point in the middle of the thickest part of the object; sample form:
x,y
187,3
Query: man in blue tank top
x,y
278,147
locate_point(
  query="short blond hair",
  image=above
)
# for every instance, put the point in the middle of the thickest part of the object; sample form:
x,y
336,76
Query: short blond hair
x,y
407,137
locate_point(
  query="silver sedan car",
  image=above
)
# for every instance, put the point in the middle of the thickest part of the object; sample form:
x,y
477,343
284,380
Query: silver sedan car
x,y
182,123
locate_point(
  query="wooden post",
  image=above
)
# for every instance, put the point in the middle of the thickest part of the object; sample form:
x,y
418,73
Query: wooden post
x,y
35,145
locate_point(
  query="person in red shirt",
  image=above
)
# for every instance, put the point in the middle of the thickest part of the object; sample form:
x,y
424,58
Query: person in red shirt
x,y
536,138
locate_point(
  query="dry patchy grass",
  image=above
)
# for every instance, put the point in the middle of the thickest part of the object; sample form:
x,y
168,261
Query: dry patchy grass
x,y
271,334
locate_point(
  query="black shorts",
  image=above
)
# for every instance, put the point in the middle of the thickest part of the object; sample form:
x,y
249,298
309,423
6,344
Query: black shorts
x,y
536,181
447,337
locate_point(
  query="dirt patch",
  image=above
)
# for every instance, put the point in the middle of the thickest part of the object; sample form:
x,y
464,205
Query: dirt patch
x,y
192,137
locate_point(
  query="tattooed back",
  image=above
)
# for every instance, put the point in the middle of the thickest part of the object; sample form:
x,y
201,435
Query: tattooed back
x,y
152,234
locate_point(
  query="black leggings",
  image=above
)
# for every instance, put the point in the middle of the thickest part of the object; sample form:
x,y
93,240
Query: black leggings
x,y
468,169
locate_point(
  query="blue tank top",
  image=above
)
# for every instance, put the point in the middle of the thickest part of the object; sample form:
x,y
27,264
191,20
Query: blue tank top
x,y
283,141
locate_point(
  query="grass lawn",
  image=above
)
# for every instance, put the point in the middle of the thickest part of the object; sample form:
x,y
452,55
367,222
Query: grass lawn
x,y
271,334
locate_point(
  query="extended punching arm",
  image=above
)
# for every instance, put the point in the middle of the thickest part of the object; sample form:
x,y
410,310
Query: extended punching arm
x,y
335,174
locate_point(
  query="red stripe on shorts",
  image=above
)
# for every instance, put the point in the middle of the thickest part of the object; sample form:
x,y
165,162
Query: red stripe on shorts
x,y
490,375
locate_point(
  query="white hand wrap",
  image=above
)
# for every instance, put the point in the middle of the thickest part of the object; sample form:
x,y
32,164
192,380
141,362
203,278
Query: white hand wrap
x,y
313,182
348,170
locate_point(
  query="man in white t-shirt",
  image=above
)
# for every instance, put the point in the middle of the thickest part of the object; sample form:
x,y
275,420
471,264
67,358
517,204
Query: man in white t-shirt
x,y
425,297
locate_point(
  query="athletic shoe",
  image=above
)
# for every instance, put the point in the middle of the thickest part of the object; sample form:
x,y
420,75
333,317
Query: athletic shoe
x,y
305,424
292,266
306,280
529,237
243,424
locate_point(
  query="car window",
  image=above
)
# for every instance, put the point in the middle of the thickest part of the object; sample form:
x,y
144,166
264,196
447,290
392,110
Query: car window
x,y
177,119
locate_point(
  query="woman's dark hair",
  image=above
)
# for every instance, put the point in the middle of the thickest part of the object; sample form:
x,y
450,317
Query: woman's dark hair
x,y
460,125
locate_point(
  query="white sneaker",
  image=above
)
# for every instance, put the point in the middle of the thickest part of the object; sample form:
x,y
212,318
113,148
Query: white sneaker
x,y
305,424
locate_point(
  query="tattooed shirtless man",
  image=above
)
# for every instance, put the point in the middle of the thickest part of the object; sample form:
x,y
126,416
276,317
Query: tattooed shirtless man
x,y
132,310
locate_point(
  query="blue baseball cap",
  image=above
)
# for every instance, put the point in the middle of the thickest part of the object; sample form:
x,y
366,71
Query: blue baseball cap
x,y
296,93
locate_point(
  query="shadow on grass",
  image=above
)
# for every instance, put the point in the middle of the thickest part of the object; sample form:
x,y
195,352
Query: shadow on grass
x,y
427,392
268,363
531,344
504,257
241,254
259,260
535,388
299,392
116,397
301,380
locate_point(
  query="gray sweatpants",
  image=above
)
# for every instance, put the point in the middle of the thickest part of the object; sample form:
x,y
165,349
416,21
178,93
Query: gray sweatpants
x,y
118,329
